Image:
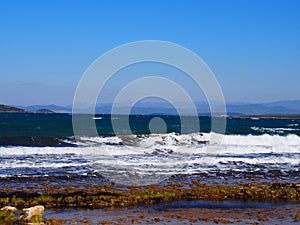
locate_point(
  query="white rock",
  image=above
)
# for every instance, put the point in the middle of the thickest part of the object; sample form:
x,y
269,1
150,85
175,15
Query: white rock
x,y
33,213
9,209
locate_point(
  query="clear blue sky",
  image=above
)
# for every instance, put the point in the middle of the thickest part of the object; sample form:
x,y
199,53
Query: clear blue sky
x,y
252,46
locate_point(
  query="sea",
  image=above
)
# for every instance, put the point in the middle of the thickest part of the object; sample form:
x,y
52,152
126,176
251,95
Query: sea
x,y
251,149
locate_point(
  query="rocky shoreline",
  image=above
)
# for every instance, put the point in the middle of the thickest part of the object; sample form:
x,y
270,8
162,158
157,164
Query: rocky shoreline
x,y
112,196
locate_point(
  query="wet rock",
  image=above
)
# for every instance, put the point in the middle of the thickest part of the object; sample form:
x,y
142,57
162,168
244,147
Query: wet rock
x,y
33,215
7,212
297,217
156,219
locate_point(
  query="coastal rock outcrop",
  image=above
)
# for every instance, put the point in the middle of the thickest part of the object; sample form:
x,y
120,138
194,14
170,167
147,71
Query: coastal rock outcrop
x,y
7,212
33,215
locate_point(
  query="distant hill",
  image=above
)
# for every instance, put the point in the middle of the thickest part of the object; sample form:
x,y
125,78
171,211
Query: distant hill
x,y
45,111
273,108
291,104
10,109
53,108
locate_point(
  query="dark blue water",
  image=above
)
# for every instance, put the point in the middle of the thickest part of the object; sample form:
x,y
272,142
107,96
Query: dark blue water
x,y
29,129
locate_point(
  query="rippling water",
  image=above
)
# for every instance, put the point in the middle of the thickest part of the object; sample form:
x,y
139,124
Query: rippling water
x,y
43,145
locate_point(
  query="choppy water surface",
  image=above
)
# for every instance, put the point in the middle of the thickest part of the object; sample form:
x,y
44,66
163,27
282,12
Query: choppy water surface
x,y
43,145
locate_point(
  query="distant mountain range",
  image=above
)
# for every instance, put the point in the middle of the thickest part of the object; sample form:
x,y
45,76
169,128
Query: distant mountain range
x,y
289,107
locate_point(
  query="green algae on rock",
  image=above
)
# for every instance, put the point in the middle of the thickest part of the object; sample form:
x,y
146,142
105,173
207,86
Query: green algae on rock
x,y
104,197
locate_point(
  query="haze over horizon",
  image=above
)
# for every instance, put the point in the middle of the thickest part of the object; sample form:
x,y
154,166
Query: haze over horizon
x,y
252,47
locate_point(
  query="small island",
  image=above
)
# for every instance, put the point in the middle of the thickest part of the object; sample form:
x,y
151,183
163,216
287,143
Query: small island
x,y
10,109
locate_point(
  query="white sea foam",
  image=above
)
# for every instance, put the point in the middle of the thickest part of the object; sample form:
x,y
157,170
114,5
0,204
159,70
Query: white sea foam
x,y
162,154
26,164
261,140
97,118
293,125
27,151
169,143
87,141
273,130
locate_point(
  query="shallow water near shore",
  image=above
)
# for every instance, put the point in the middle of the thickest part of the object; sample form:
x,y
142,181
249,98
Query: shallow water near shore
x,y
183,212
